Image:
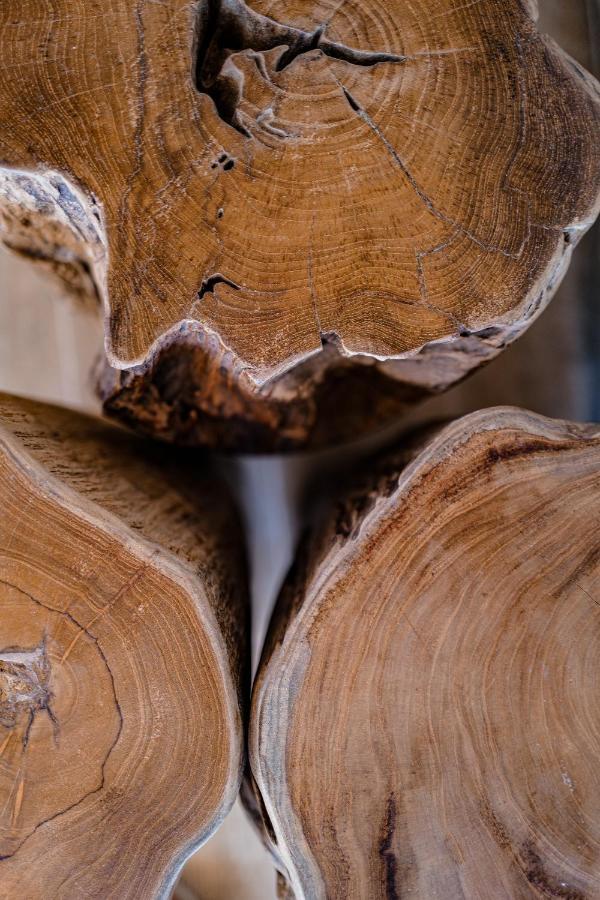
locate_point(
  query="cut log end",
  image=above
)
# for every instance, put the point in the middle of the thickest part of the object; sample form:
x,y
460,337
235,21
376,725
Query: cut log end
x,y
120,677
401,182
426,715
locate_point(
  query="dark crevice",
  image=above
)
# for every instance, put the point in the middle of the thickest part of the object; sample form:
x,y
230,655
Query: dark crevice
x,y
306,42
225,27
352,102
209,284
331,339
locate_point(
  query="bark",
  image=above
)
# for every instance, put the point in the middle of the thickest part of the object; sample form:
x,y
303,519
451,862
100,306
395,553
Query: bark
x,y
297,223
123,639
425,719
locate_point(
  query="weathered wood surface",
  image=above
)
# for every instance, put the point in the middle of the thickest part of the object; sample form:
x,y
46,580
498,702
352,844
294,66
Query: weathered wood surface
x,y
291,245
123,639
425,720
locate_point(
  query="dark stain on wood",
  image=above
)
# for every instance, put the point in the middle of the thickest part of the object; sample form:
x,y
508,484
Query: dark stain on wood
x,y
539,878
385,850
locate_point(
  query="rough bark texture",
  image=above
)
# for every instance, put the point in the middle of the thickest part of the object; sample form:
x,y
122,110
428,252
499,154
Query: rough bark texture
x,y
313,213
425,721
122,658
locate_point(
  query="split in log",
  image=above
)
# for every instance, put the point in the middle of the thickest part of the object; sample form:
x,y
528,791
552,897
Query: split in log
x,y
299,218
425,721
122,658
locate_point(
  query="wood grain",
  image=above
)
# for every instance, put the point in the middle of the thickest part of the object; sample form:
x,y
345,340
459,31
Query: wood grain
x,y
426,720
122,658
299,217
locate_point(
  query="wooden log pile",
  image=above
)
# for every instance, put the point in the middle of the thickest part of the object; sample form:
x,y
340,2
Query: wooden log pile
x,y
297,221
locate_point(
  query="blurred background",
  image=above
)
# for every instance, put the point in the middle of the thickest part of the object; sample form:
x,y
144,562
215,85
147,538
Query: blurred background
x,y
48,346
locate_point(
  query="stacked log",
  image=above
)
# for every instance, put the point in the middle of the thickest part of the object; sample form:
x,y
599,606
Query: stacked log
x,y
425,718
123,652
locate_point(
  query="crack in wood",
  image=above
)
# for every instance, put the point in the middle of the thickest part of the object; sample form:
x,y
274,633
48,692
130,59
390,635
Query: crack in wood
x,y
210,282
225,27
421,193
101,785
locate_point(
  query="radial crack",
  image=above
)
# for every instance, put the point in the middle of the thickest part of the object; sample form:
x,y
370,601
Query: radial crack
x,y
364,115
460,327
101,785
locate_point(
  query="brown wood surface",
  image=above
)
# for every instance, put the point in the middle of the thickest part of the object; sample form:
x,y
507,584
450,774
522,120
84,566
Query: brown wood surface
x,y
123,633
299,217
425,721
